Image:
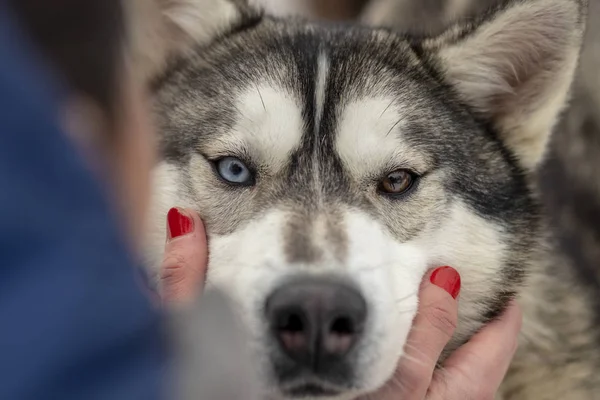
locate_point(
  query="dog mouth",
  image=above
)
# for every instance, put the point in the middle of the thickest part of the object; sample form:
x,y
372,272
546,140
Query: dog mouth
x,y
311,389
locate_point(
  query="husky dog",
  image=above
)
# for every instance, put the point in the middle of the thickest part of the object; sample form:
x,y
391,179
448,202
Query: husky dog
x,y
334,165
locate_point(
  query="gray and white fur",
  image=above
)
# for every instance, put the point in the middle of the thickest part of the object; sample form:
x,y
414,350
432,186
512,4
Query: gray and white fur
x,y
316,116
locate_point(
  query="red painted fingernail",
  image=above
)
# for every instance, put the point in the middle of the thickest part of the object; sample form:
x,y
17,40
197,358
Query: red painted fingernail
x,y
179,223
448,279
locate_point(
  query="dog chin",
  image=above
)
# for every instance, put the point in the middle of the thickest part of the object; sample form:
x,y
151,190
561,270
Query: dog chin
x,y
315,392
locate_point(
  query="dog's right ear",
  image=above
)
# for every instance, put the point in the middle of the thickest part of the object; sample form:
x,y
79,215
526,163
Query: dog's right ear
x,y
162,29
514,67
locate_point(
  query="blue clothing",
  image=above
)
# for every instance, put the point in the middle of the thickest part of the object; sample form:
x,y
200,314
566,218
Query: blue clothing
x,y
74,323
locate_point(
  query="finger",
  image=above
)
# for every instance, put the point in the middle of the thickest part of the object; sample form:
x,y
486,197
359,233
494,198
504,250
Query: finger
x,y
432,329
186,256
476,370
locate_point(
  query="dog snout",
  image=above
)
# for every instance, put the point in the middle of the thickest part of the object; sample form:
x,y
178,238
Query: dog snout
x,y
316,321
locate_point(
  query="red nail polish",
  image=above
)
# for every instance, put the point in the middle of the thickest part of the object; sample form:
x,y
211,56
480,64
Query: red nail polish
x,y
179,223
448,279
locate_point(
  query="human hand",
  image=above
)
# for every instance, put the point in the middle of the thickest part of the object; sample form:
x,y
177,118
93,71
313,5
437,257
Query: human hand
x,y
202,326
183,270
474,371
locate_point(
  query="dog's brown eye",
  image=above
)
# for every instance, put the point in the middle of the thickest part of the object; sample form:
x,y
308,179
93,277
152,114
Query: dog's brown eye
x,y
397,182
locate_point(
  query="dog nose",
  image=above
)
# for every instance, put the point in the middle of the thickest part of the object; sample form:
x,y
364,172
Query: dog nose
x,y
316,321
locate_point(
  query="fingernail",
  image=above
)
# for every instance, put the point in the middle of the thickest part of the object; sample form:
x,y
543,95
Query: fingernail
x,y
179,223
448,279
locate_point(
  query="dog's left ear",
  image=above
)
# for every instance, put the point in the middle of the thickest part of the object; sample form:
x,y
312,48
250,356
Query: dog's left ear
x,y
515,68
163,29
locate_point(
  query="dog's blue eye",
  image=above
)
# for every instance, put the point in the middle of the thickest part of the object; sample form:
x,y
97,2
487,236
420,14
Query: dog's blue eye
x,y
234,171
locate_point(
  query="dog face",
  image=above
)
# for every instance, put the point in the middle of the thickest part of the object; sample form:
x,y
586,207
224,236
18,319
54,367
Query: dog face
x,y
333,166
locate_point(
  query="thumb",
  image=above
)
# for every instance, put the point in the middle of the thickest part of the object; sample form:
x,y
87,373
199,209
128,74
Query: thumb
x,y
432,328
186,256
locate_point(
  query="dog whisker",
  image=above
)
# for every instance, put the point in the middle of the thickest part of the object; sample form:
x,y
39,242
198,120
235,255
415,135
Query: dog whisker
x,y
261,98
388,106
